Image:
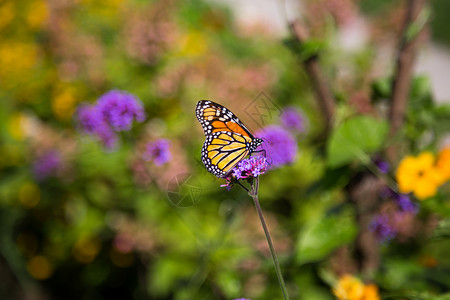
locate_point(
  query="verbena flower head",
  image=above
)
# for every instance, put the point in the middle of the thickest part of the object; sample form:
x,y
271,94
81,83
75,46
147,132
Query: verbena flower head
x,y
250,167
292,119
107,136
89,118
382,228
120,109
114,111
418,174
279,144
92,122
158,152
47,165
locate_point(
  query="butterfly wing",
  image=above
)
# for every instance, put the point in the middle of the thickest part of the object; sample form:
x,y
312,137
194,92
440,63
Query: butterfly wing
x,y
223,150
216,118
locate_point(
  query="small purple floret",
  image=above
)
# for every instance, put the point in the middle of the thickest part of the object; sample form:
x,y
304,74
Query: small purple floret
x,y
382,229
405,204
383,166
158,152
292,119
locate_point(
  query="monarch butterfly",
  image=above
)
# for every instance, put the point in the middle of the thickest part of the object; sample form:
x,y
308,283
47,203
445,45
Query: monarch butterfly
x,y
227,142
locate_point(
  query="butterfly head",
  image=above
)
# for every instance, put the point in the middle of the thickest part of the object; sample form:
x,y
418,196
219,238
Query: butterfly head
x,y
255,144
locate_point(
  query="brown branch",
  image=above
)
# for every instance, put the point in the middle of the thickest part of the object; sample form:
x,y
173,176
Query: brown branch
x,y
320,86
404,71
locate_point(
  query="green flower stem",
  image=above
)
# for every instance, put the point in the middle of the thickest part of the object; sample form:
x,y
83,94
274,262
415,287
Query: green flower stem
x,y
254,194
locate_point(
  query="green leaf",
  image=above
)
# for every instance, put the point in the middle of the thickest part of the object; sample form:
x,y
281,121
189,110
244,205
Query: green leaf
x,y
420,96
356,138
322,235
417,26
442,230
306,49
168,273
426,296
441,118
381,89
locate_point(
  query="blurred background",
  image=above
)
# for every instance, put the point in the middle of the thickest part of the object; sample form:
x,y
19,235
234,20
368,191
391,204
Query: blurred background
x,y
82,217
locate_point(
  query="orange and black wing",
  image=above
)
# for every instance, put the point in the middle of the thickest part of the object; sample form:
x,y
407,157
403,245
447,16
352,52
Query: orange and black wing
x,y
215,118
223,150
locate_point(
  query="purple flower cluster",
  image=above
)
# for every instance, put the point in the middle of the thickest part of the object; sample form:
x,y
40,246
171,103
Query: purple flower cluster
x,y
388,224
250,167
405,204
114,111
92,122
279,144
382,228
292,119
119,109
403,201
47,165
158,152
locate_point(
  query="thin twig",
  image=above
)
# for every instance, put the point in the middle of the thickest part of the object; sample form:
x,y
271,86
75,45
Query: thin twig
x,y
406,56
321,87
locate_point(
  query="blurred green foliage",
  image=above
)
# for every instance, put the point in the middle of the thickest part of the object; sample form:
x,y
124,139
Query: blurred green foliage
x,y
108,225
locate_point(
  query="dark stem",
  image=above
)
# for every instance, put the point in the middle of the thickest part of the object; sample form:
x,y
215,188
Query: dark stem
x,y
254,194
406,56
321,88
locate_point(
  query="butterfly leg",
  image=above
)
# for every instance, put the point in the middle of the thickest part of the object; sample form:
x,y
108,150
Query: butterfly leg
x,y
262,150
243,186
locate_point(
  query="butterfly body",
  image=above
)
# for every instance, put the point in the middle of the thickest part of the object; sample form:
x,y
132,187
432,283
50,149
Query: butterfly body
x,y
227,141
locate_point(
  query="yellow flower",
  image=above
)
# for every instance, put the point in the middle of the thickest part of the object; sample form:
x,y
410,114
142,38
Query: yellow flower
x,y
371,292
443,163
37,14
419,175
349,288
17,60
